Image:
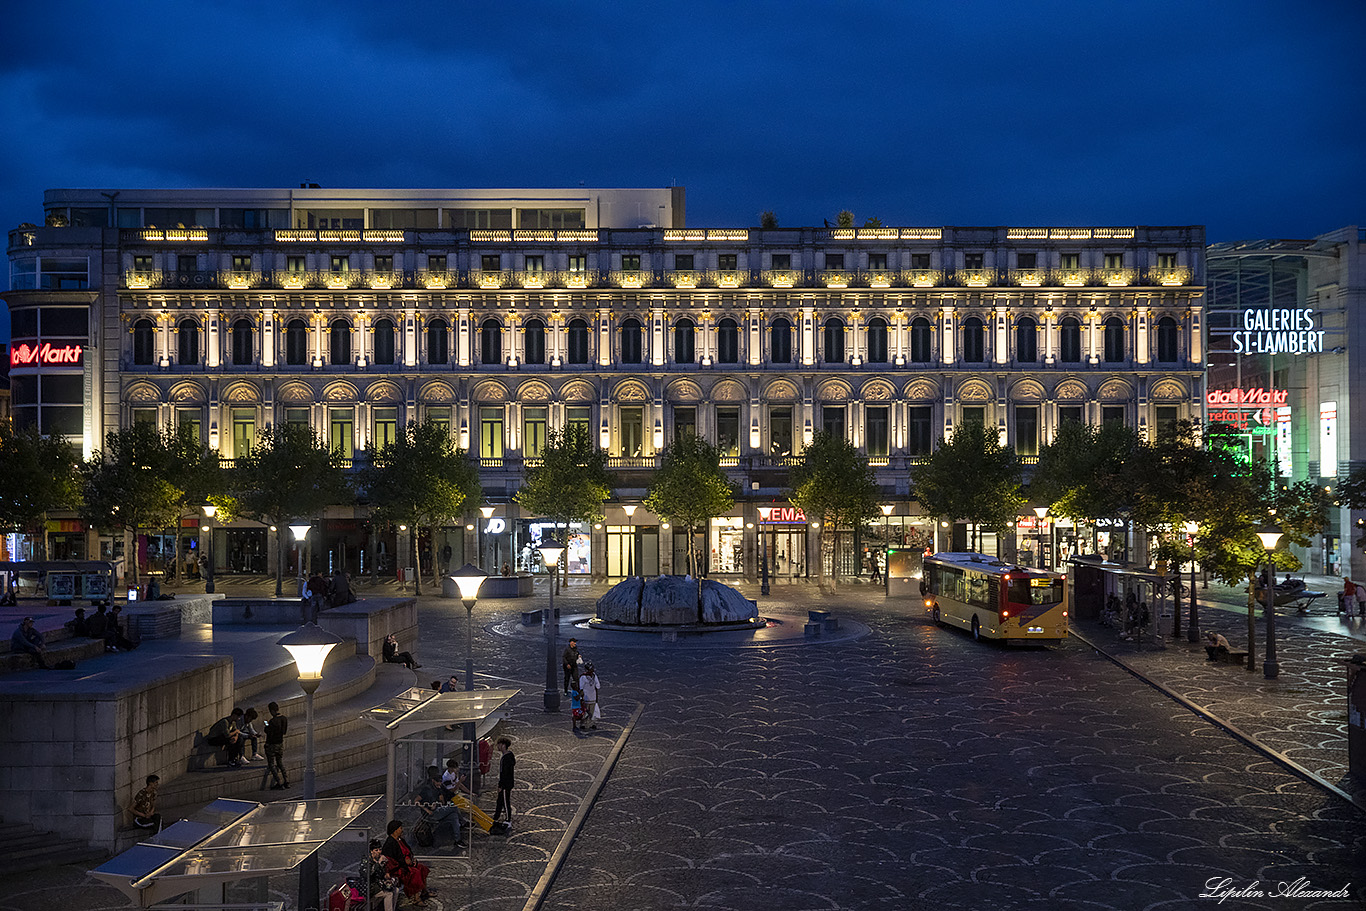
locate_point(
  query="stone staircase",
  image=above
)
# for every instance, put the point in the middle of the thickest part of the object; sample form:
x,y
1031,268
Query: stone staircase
x,y
349,756
25,848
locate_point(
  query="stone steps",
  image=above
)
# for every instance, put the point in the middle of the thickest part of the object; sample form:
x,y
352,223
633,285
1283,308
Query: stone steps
x,y
25,848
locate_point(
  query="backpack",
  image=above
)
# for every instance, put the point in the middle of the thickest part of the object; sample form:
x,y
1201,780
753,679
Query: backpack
x,y
423,834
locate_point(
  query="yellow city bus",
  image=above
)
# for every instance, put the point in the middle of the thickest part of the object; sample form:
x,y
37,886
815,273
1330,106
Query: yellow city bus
x,y
995,600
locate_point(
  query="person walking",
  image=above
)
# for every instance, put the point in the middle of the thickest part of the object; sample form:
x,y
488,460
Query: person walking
x,y
145,815
506,766
570,663
590,687
276,726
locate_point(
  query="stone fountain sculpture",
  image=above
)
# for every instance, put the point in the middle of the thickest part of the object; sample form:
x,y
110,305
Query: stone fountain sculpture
x,y
675,601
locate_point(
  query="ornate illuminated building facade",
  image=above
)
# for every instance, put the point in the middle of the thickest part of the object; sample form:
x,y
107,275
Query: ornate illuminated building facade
x,y
507,314
1284,366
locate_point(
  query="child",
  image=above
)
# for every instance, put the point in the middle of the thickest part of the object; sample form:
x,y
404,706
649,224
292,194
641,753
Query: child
x,y
505,769
576,706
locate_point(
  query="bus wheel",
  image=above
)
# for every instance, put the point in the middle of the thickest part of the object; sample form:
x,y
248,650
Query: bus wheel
x,y
976,630
937,621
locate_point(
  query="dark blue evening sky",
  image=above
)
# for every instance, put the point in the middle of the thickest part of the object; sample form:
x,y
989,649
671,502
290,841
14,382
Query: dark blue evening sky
x,y
1244,116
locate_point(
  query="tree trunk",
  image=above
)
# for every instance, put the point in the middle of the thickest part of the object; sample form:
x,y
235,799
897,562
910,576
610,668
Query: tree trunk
x,y
177,550
280,556
417,560
1251,621
134,551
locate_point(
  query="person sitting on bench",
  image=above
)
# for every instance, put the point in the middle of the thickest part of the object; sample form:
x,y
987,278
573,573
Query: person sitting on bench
x,y
1216,646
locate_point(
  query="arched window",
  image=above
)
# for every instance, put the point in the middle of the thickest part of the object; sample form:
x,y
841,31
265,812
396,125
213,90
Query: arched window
x,y
685,336
974,341
339,342
384,342
533,341
296,343
630,341
834,341
1166,340
1114,340
1069,340
187,342
877,340
438,342
144,343
922,341
243,345
780,341
577,341
491,342
1026,341
727,342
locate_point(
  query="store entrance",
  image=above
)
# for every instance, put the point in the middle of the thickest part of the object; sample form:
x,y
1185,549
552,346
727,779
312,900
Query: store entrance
x,y
787,552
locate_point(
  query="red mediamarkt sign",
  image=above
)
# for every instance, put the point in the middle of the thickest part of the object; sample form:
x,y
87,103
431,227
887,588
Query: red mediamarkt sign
x,y
1248,398
26,355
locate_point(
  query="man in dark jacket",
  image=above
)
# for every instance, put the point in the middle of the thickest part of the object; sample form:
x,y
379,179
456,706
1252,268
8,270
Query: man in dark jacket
x,y
26,639
276,726
570,663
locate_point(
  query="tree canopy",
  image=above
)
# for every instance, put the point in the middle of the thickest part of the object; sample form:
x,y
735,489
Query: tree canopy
x,y
1083,473
288,474
834,485
570,484
37,474
971,476
421,479
690,488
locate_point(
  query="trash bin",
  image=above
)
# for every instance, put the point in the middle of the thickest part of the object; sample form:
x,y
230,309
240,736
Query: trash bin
x,y
1356,716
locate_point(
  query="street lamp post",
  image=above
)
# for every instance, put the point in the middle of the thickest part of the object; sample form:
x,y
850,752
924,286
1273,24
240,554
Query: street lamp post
x,y
209,511
1193,628
308,646
300,534
1042,513
487,513
764,513
468,579
1270,536
630,510
886,542
551,553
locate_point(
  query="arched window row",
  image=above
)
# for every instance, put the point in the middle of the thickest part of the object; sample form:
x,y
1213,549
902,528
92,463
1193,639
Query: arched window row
x,y
1069,340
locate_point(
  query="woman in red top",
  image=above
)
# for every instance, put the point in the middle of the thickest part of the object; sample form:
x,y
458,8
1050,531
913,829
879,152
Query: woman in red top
x,y
400,864
1347,600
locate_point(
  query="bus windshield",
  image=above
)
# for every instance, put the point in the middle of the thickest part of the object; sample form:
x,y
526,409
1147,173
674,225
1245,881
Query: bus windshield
x,y
1036,590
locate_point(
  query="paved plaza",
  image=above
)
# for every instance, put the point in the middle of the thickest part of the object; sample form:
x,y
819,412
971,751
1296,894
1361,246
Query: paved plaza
x,y
896,766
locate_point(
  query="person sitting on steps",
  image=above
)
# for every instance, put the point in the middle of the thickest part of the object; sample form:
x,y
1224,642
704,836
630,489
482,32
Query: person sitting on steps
x,y
226,734
393,656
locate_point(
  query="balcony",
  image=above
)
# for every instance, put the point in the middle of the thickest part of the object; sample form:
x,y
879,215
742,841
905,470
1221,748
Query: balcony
x,y
686,278
240,281
1169,276
781,278
924,278
1028,278
381,281
630,278
975,278
835,278
1070,278
636,462
1116,278
880,278
492,280
436,281
137,280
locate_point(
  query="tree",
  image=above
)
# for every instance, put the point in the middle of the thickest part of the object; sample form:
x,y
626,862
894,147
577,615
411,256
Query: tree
x,y
571,483
37,474
288,474
971,476
1243,501
194,472
1082,474
834,486
690,488
1352,494
421,479
873,222
768,219
845,219
131,484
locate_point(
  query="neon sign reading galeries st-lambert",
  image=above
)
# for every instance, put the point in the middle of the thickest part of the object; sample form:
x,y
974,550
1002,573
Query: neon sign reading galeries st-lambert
x,y
33,355
1278,331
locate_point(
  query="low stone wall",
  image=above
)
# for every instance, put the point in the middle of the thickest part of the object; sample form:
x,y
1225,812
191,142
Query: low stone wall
x,y
369,620
518,586
78,748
